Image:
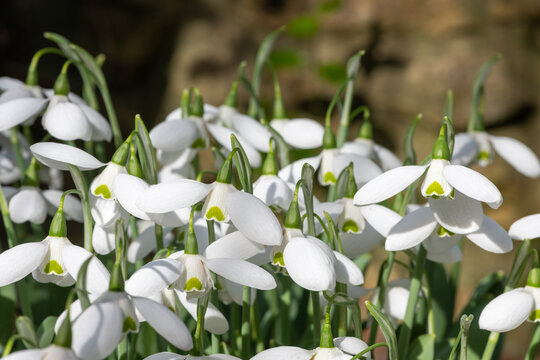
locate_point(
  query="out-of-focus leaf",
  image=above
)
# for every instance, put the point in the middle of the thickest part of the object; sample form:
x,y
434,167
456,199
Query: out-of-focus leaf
x,y
423,347
442,298
307,189
7,313
45,332
363,261
147,156
25,328
334,73
303,26
408,145
476,117
449,105
387,329
285,58
330,5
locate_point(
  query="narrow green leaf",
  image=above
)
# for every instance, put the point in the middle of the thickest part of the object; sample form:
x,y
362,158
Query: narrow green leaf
x,y
303,26
476,117
341,183
449,106
307,189
408,142
285,58
147,156
333,73
387,329
423,347
241,162
64,44
25,328
91,64
283,151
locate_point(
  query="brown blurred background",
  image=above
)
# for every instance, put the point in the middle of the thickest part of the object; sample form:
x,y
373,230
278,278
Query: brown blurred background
x,y
415,51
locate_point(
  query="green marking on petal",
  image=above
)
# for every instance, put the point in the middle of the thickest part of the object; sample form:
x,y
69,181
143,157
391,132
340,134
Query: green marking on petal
x,y
435,189
193,284
329,178
103,190
484,155
199,143
442,232
53,267
215,213
535,316
278,259
129,324
350,226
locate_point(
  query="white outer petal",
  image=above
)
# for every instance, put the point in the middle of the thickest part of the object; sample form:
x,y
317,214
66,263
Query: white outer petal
x,y
255,133
57,156
473,184
242,272
507,311
465,149
32,354
172,195
351,345
15,112
214,321
66,121
380,218
101,129
347,271
517,154
491,237
154,277
461,215
284,353
293,172
223,137
174,135
363,168
28,205
233,246
388,184
128,189
20,261
302,133
97,275
411,230
386,158
527,227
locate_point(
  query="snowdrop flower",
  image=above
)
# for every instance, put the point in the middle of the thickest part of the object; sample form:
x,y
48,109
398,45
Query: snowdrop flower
x,y
510,309
420,224
20,103
145,242
54,260
527,227
60,156
173,356
327,175
72,205
223,136
269,187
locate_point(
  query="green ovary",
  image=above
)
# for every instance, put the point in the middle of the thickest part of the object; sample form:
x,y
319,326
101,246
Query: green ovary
x,y
103,190
193,284
350,226
329,178
215,213
53,267
435,189
129,324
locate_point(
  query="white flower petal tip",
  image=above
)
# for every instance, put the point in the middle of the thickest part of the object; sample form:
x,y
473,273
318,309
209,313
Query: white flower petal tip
x,y
128,189
465,149
233,246
66,121
381,218
527,227
473,184
28,205
59,156
507,311
351,345
388,184
223,136
492,237
523,159
214,321
20,261
172,196
461,215
243,272
174,135
154,277
254,219
97,275
302,133
255,133
284,353
347,271
15,112
411,230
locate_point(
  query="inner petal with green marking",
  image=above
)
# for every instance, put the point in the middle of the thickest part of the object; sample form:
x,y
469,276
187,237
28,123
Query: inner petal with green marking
x,y
329,177
53,267
534,316
435,189
129,324
215,213
103,190
350,226
193,284
278,259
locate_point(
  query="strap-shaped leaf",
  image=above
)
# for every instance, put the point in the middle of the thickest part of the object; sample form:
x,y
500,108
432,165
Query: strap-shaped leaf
x,y
476,117
282,147
387,329
341,183
147,156
307,189
242,165
408,146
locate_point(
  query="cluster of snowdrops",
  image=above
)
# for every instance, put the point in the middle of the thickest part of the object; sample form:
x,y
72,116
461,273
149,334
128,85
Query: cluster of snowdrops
x,y
240,259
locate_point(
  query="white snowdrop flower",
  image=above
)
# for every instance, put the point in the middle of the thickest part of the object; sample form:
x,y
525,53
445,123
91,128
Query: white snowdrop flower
x,y
72,205
20,104
418,225
327,174
293,172
145,242
255,134
223,136
477,147
269,187
215,205
50,352
28,204
59,156
527,227
173,356
510,309
299,133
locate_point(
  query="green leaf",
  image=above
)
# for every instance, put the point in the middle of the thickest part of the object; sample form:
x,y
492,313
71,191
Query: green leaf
x,y
341,183
285,58
442,298
147,156
25,327
408,145
262,54
449,106
282,147
476,117
330,6
45,332
363,261
332,72
64,44
303,26
91,64
307,189
387,329
7,313
243,167
423,347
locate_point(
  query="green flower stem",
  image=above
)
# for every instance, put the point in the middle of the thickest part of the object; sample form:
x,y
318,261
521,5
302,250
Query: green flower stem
x,y
256,327
284,310
465,323
533,345
383,284
491,345
416,282
14,137
430,316
246,323
82,186
213,294
158,229
122,349
368,349
236,324
117,133
342,312
198,338
316,307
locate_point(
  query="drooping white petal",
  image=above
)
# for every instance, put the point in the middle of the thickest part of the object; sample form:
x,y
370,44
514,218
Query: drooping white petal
x,y
255,133
174,135
233,246
507,311
380,218
517,154
491,237
128,189
98,330
411,230
253,218
19,261
7,83
438,244
173,195
66,121
28,205
351,345
57,156
309,265
273,190
97,275
461,215
223,137
395,303
32,354
303,133
465,149
103,239
242,272
347,271
165,322
527,227
293,172
165,356
154,277
214,321
101,129
386,158
473,184
388,184
363,168
72,205
15,112
449,256
284,353
358,244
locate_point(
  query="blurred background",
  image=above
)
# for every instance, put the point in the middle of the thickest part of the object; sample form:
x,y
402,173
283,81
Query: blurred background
x,y
415,51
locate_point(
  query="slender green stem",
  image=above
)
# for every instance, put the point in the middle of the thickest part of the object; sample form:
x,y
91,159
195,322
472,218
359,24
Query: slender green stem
x,y
246,325
198,338
431,316
213,294
284,310
117,133
456,344
368,349
342,312
316,306
256,327
122,349
416,282
82,186
533,345
159,236
491,345
383,284
465,323
14,137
